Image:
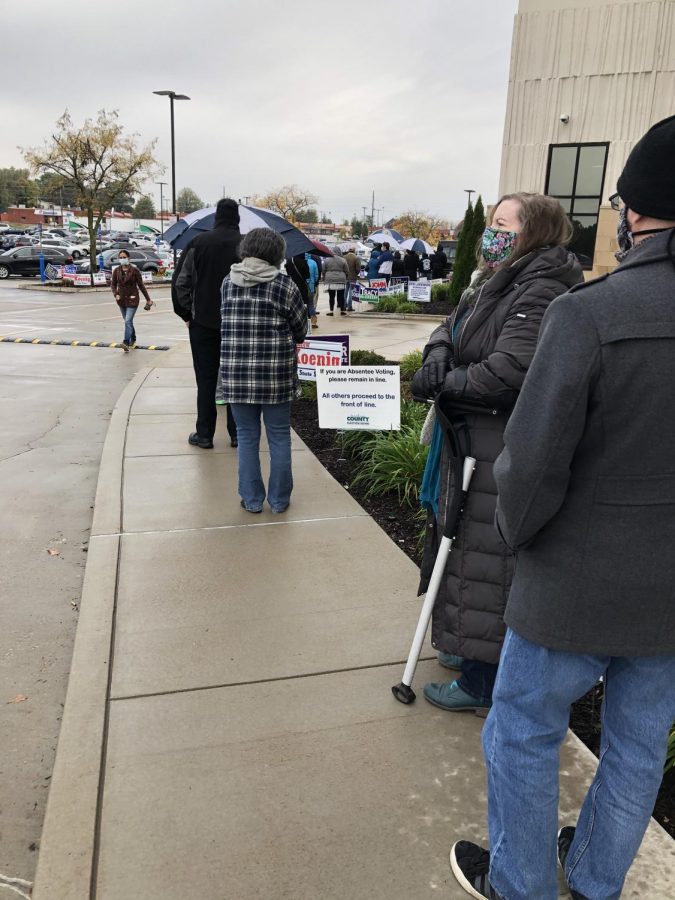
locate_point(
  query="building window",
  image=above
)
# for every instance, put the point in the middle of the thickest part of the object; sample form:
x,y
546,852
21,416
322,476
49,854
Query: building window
x,y
576,176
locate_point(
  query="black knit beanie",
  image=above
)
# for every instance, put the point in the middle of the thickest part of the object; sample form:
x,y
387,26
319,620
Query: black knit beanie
x,y
647,183
227,212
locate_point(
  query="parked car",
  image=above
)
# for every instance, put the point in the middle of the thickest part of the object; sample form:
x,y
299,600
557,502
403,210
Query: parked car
x,y
142,241
25,261
77,251
142,259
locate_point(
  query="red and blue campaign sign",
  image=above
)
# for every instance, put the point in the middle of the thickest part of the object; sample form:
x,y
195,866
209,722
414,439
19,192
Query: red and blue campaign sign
x,y
327,350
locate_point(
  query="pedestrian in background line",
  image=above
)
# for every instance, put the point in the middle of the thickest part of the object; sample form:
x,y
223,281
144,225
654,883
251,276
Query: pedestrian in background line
x,y
264,317
425,266
373,264
411,262
397,268
385,262
126,285
196,299
335,272
439,263
354,267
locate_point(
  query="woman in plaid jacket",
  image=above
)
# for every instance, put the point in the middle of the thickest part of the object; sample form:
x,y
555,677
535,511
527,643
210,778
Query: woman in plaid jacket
x,y
263,318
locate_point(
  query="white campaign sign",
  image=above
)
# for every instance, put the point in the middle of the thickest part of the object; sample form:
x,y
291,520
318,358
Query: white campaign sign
x,y
419,291
363,398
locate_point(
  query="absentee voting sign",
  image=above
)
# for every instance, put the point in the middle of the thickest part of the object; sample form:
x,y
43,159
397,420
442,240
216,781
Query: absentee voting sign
x,y
419,292
327,350
359,398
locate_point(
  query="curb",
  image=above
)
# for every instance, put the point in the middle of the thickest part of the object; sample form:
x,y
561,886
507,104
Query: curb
x,y
66,868
11,340
58,289
414,316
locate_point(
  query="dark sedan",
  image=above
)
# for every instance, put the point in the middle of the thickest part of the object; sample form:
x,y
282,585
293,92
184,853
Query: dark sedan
x,y
25,261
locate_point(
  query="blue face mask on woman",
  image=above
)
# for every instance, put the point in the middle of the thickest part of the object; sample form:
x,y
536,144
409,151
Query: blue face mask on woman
x,y
497,246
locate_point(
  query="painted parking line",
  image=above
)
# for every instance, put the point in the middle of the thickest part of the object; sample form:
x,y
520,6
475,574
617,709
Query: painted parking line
x,y
62,343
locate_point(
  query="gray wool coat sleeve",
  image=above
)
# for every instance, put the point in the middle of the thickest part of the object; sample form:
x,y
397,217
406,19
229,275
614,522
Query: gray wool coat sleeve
x,y
533,470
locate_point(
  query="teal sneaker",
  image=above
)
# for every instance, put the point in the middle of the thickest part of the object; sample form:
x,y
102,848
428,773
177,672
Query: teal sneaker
x,y
450,661
452,697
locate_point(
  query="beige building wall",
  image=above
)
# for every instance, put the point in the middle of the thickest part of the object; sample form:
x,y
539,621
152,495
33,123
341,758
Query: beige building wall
x,y
609,66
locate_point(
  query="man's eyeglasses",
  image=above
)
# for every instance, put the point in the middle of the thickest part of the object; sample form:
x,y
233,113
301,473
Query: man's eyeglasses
x,y
616,202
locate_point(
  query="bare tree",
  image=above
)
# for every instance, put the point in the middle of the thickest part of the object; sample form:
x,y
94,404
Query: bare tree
x,y
289,201
98,161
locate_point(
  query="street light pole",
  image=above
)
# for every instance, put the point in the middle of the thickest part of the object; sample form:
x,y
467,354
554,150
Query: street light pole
x,y
172,95
469,191
162,184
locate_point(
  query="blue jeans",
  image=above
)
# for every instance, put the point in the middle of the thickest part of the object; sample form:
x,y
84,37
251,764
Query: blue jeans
x,y
277,418
128,313
478,679
527,724
348,297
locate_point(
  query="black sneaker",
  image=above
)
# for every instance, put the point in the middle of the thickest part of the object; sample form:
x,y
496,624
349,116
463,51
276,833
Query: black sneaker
x,y
471,866
565,838
196,441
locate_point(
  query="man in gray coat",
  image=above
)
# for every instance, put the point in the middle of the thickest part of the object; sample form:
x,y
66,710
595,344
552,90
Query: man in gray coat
x,y
587,500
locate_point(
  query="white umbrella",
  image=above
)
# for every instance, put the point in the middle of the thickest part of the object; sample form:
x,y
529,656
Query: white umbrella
x,y
418,245
380,237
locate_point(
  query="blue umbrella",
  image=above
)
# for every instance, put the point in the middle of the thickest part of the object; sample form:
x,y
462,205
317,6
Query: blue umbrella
x,y
182,232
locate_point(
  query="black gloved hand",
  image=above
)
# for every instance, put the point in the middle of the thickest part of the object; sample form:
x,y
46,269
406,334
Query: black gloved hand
x,y
428,380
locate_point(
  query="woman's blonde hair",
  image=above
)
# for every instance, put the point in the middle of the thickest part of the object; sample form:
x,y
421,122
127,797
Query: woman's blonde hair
x,y
544,223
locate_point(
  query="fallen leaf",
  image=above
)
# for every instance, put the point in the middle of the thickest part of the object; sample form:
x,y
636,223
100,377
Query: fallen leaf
x,y
53,552
18,699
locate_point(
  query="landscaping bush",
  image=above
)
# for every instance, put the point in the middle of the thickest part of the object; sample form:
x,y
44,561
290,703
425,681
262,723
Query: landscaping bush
x,y
308,389
670,758
409,309
367,358
395,463
413,414
410,363
441,293
387,304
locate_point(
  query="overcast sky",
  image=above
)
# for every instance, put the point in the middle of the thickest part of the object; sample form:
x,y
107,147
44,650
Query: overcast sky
x,y
406,97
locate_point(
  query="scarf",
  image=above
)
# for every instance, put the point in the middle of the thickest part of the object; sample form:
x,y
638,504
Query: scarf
x,y
251,271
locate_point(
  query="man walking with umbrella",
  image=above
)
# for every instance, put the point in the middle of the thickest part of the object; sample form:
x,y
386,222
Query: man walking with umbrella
x,y
203,266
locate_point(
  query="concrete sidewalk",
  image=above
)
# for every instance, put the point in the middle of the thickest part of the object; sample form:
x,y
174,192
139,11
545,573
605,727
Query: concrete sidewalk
x,y
229,731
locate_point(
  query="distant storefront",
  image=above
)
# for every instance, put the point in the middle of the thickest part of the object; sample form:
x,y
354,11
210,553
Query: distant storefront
x,y
587,79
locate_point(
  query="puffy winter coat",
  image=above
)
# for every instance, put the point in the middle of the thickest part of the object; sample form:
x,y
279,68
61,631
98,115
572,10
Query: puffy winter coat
x,y
487,344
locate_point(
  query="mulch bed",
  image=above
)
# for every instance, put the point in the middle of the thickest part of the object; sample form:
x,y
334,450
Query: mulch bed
x,y
399,523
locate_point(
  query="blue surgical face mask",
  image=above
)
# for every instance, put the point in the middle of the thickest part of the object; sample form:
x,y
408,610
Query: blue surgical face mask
x,y
124,261
497,246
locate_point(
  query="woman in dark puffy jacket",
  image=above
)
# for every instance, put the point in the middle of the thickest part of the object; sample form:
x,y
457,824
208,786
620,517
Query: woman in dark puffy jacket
x,y
481,354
